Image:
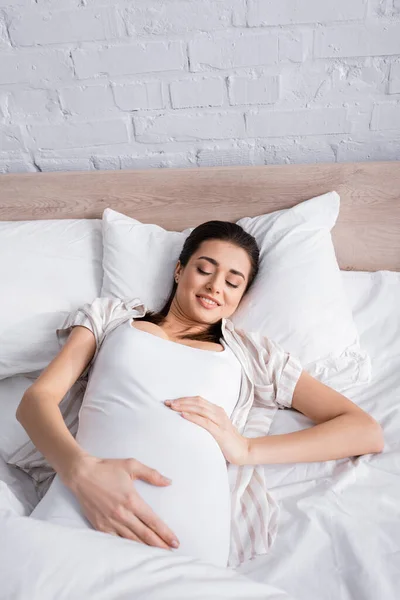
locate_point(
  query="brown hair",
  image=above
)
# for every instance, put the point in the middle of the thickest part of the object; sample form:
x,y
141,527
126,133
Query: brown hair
x,y
211,230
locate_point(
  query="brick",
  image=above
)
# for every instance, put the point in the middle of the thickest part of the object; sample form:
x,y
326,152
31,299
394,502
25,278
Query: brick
x,y
4,39
107,163
230,157
295,46
380,8
35,67
285,12
91,101
17,166
385,116
180,16
297,122
365,150
34,104
4,98
63,164
253,90
78,134
182,127
159,160
233,51
394,79
207,91
369,39
10,138
130,59
239,16
295,152
55,4
17,3
141,95
89,152
82,24
333,83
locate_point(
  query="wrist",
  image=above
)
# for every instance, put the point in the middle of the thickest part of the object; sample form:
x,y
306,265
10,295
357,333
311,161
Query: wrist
x,y
249,451
245,458
75,468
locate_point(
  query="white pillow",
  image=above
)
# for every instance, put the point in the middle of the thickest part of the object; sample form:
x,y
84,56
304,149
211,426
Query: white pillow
x,y
297,299
47,269
139,259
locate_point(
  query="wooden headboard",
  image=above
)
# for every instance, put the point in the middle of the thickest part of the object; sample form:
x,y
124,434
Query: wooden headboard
x,y
366,236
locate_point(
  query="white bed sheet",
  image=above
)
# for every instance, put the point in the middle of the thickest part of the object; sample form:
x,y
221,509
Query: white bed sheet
x,y
339,532
339,529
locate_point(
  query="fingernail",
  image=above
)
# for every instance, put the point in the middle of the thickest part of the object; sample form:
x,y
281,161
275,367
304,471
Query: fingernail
x,y
168,479
167,401
175,544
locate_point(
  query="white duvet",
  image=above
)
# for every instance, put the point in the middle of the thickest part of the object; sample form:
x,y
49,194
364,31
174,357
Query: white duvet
x,y
42,561
339,532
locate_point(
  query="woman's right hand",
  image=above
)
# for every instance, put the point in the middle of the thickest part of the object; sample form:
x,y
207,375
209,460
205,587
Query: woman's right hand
x,y
104,489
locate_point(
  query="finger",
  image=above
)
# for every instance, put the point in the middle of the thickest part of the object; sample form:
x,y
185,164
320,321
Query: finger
x,y
142,535
185,405
153,522
125,532
147,535
205,423
125,520
201,411
140,471
196,399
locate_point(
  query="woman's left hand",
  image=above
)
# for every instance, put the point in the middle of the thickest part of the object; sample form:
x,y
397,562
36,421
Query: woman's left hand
x,y
214,419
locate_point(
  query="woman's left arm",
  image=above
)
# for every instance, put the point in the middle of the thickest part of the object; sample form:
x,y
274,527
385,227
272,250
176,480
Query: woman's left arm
x,y
343,429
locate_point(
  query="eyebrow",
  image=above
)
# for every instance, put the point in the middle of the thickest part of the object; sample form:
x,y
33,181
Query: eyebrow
x,y
214,262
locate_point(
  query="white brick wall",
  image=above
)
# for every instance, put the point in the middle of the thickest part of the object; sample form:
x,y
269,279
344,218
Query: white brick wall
x,y
116,84
202,91
141,95
285,12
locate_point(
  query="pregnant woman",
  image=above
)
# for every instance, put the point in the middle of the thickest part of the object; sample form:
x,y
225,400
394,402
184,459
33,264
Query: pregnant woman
x,y
163,392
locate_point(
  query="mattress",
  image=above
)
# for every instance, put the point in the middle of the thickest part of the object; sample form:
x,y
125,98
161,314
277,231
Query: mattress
x,y
339,527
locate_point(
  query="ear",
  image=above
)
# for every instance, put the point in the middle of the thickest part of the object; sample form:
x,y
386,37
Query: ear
x,y
177,269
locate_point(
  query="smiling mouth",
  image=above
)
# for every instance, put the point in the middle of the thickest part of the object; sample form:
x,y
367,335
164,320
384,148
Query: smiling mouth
x,y
206,303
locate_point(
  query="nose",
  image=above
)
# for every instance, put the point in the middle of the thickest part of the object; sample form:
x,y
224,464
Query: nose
x,y
214,285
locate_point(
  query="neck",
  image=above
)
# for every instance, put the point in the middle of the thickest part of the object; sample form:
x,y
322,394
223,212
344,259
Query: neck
x,y
177,324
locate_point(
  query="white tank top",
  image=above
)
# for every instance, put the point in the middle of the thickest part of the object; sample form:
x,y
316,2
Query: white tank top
x,y
123,415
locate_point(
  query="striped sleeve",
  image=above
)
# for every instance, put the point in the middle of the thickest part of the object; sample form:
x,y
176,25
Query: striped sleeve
x,y
286,375
93,316
96,317
276,371
285,372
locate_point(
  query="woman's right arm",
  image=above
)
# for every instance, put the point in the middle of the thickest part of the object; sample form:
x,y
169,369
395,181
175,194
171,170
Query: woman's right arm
x,y
103,487
39,413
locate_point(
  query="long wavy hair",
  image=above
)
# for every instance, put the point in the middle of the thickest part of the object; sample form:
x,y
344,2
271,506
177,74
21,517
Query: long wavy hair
x,y
211,230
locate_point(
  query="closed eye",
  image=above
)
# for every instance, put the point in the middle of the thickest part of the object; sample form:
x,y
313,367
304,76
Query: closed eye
x,y
205,273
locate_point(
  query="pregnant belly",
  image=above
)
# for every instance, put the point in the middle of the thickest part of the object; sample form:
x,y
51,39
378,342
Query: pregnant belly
x,y
196,506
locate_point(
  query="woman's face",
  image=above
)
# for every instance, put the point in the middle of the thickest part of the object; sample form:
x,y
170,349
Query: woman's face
x,y
218,269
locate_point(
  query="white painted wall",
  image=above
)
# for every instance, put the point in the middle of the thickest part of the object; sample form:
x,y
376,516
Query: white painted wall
x,y
109,84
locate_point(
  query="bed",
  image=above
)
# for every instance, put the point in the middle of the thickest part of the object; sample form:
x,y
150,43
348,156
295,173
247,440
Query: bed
x,y
339,530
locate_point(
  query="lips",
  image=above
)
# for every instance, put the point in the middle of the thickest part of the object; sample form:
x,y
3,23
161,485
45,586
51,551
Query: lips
x,y
209,298
206,304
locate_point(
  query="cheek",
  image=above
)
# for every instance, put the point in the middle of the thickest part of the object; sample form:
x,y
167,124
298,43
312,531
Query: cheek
x,y
236,298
